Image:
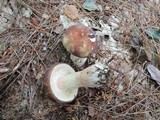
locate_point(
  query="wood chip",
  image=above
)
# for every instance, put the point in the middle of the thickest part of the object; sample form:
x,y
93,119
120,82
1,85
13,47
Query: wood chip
x,y
71,12
91,111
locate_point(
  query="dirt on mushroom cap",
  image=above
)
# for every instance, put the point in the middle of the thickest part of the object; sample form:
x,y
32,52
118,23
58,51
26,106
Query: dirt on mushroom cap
x,y
79,40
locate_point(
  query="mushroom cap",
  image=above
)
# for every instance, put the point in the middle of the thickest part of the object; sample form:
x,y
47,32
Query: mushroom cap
x,y
51,81
79,40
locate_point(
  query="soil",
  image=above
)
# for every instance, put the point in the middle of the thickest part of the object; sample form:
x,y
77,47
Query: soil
x,y
31,42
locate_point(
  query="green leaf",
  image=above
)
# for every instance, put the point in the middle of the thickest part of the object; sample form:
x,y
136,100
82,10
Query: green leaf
x,y
91,5
153,33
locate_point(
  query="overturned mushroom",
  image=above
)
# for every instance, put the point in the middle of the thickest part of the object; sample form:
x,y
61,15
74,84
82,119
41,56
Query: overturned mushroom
x,y
62,82
80,41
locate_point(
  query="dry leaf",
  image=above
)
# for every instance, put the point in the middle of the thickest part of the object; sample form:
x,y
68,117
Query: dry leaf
x,y
71,11
157,59
91,111
54,107
34,21
77,103
157,55
140,53
148,49
58,29
69,109
154,72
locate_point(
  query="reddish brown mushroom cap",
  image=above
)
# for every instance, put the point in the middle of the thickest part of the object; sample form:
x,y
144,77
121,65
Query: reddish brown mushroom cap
x,y
50,85
47,87
79,40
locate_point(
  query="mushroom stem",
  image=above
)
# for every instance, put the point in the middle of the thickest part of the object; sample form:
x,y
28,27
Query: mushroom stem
x,y
88,77
77,60
62,82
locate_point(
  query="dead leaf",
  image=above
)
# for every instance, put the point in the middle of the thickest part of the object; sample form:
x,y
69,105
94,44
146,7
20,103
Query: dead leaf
x,y
77,103
154,72
71,11
54,107
91,111
34,21
157,54
55,19
157,59
149,48
69,109
58,29
140,53
136,42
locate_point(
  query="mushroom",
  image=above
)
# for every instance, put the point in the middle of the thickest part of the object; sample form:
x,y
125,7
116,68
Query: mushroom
x,y
62,82
80,41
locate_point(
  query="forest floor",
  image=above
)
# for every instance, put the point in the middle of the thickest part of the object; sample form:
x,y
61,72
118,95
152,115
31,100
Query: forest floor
x,y
30,42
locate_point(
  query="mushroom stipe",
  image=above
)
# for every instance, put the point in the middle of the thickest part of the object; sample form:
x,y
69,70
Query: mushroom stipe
x,y
62,82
